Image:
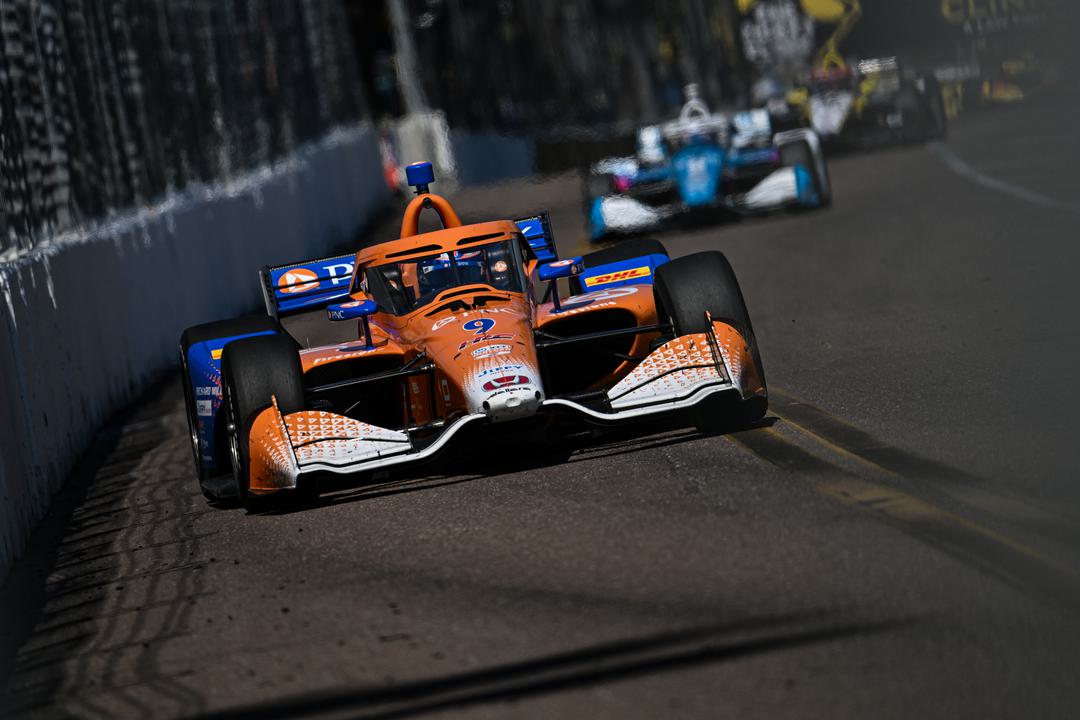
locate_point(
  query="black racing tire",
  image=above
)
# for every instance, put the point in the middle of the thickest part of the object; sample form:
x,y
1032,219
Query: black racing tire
x,y
800,153
687,287
203,333
253,370
626,250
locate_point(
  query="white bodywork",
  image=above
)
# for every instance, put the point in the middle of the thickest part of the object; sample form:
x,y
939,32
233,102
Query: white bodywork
x,y
778,188
829,112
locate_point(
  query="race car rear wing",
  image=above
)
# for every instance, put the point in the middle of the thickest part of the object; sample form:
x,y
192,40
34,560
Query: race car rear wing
x,y
313,284
306,285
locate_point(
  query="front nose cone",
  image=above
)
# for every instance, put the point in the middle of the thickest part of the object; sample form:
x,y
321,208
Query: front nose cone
x,y
512,404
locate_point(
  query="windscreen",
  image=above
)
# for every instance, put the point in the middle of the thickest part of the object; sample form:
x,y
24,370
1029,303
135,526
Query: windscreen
x,y
401,287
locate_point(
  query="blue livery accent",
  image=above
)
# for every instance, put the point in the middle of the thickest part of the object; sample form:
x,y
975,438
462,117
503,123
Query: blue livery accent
x,y
697,173
804,187
651,261
352,310
479,326
561,269
419,175
597,228
204,373
308,285
751,157
537,232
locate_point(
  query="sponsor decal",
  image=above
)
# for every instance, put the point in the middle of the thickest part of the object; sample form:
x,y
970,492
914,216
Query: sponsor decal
x,y
338,313
340,277
561,263
492,311
504,382
483,338
609,294
501,369
618,276
500,266
298,280
204,408
203,391
346,354
506,391
489,350
443,323
480,325
216,354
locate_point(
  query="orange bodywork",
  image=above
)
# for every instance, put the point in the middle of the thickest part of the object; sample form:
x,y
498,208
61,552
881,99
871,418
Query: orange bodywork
x,y
480,346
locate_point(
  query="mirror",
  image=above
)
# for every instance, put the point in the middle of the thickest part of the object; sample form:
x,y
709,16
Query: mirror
x,y
561,269
355,310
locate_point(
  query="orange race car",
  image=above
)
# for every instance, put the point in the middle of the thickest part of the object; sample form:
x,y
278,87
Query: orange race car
x,y
466,326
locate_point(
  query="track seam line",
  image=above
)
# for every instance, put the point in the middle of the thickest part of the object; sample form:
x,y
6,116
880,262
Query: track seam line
x,y
959,166
923,520
960,493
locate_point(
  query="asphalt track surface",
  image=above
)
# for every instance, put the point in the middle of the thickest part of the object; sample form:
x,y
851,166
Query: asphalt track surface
x,y
899,538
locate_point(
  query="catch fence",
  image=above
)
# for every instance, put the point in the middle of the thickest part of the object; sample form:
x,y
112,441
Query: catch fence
x,y
108,104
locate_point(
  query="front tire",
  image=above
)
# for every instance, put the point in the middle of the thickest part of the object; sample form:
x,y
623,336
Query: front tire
x,y
254,370
684,290
204,333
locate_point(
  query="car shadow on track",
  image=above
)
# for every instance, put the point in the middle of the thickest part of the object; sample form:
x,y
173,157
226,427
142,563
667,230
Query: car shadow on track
x,y
121,538
574,668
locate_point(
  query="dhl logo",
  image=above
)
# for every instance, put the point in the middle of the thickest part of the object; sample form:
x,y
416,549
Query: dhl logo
x,y
617,276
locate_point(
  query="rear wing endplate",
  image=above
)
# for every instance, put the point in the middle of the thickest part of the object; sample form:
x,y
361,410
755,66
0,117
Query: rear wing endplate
x,y
306,285
537,232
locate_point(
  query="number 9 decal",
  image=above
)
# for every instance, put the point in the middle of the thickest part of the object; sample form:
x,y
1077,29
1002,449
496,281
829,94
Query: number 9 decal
x,y
480,325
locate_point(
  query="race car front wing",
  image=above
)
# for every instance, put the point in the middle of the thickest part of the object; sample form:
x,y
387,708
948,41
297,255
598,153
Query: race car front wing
x,y
676,376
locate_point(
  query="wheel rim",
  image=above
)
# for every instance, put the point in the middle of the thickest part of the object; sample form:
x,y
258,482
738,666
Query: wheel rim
x,y
234,441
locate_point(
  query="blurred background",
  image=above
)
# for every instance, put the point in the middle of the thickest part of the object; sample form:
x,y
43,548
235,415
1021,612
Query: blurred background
x,y
900,539
110,104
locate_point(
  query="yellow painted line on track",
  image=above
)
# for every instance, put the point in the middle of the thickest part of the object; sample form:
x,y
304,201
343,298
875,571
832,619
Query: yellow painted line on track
x,y
1012,562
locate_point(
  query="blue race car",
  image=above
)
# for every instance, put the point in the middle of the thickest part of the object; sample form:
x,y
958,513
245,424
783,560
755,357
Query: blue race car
x,y
706,161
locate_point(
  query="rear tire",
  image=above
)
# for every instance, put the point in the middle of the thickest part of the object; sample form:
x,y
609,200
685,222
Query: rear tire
x,y
253,371
800,153
204,333
684,290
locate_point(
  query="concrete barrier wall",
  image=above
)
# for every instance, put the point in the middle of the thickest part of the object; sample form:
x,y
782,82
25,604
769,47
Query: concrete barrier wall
x,y
90,318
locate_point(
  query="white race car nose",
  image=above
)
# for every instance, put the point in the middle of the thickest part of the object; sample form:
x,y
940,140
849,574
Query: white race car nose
x,y
512,403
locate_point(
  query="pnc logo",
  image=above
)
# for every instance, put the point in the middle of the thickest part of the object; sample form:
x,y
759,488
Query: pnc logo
x,y
617,276
505,381
298,280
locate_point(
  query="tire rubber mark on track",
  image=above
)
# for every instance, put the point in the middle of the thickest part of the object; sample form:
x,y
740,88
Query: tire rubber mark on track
x,y
955,163
847,440
999,556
